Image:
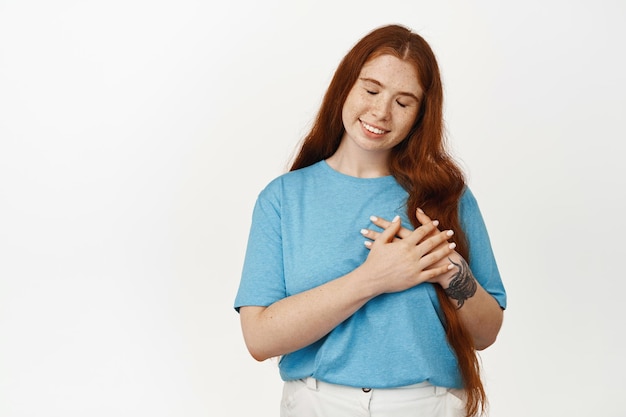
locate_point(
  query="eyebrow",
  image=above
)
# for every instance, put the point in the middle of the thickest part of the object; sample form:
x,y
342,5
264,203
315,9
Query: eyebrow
x,y
378,83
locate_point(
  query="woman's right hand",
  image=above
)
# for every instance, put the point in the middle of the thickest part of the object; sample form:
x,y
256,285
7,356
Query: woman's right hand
x,y
395,265
392,265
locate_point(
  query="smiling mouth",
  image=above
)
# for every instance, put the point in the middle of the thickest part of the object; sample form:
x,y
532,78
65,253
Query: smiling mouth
x,y
373,129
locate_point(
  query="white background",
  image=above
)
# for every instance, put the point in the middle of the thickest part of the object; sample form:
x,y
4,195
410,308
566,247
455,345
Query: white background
x,y
135,136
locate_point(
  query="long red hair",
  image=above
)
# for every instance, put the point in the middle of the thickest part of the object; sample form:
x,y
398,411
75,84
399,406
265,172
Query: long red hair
x,y
420,163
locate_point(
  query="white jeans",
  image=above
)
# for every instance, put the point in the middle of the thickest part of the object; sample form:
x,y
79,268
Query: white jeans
x,y
312,398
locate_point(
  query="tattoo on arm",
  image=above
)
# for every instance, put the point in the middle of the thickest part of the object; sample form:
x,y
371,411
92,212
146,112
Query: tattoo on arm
x,y
463,284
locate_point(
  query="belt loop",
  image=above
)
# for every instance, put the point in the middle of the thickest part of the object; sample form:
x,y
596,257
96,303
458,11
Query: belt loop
x,y
440,390
311,383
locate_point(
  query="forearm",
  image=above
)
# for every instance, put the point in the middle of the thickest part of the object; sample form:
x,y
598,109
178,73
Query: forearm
x,y
302,319
482,317
478,310
391,266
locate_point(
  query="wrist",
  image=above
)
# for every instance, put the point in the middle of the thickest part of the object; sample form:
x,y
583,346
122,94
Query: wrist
x,y
363,282
453,261
460,284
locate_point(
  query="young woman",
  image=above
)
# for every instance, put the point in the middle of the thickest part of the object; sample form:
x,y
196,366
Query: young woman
x,y
369,270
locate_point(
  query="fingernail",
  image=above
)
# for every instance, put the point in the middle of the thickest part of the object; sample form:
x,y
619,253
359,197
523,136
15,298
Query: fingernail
x,y
420,210
363,231
395,219
450,266
367,243
449,232
452,245
374,218
436,222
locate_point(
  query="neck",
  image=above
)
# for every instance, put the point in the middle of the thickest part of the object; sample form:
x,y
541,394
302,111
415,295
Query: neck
x,y
359,164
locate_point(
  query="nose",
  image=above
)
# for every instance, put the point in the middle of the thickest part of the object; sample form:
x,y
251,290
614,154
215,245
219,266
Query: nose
x,y
381,107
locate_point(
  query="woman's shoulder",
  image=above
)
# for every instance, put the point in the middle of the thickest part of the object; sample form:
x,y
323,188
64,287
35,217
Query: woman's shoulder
x,y
469,210
467,199
292,179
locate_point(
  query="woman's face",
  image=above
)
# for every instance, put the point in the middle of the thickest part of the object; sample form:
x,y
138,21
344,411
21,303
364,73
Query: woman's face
x,y
381,106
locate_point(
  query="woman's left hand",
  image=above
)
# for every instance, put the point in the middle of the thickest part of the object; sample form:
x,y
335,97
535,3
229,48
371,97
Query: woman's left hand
x,y
481,314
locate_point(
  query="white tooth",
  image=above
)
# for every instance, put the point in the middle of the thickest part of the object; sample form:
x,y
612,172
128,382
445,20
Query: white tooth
x,y
373,129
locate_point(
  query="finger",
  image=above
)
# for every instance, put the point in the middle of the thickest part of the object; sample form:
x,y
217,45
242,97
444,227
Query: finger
x,y
421,216
390,231
438,255
431,273
423,232
437,244
382,223
373,235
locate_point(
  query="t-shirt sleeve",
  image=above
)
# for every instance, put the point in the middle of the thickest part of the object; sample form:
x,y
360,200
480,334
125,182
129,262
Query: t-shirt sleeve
x,y
482,260
262,278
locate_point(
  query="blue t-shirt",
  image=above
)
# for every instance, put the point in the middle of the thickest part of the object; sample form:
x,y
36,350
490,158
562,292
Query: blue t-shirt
x,y
306,231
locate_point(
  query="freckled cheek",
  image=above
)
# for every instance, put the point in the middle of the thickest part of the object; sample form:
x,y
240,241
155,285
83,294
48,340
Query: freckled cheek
x,y
353,109
405,123
346,115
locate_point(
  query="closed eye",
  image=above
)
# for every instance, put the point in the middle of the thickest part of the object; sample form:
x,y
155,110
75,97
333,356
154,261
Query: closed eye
x,y
371,92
